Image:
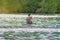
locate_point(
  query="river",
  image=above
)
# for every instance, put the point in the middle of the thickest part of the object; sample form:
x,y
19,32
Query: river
x,y
14,27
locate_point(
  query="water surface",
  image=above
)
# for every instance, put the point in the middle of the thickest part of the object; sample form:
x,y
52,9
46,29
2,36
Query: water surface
x,y
19,21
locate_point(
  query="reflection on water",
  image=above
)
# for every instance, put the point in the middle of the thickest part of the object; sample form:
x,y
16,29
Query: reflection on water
x,y
11,35
12,21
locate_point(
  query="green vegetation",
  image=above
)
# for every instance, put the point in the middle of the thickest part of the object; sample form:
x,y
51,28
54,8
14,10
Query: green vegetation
x,y
29,6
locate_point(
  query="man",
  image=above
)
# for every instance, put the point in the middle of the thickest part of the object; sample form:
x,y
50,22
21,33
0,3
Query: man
x,y
28,19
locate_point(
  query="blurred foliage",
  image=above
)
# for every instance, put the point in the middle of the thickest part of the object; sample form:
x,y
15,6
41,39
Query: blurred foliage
x,y
29,6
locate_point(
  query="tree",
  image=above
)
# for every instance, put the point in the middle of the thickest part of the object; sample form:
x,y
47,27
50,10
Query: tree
x,y
31,6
